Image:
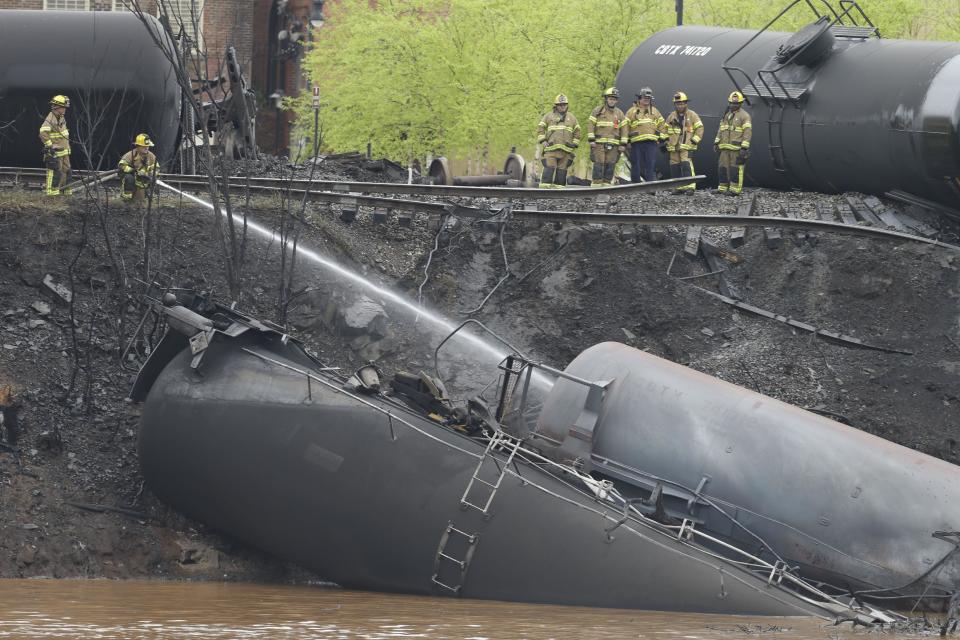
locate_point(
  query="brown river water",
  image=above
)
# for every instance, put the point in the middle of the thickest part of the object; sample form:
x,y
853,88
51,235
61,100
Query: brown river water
x,y
80,609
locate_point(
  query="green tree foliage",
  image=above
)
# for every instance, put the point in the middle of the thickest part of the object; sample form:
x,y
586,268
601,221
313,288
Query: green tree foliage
x,y
457,77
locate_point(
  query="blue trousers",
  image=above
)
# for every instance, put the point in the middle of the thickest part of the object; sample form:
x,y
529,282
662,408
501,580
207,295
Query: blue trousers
x,y
643,161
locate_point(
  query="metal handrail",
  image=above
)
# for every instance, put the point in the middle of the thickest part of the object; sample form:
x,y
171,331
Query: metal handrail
x,y
837,19
608,494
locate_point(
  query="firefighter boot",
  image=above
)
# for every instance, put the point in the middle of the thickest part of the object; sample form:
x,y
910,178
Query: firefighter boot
x,y
560,179
546,179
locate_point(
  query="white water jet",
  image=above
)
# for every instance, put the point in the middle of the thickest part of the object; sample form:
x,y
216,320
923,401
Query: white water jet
x,y
329,264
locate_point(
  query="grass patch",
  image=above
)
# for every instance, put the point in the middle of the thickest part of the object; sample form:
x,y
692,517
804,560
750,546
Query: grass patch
x,y
21,200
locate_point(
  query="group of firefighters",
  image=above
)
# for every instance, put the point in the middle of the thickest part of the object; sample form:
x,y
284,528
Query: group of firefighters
x,y
610,132
643,130
137,168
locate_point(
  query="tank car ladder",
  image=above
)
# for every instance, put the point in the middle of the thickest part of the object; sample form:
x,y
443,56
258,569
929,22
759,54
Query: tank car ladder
x,y
775,136
454,552
501,442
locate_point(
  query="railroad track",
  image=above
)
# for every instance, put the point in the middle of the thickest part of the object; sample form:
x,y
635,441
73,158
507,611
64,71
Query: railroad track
x,y
33,176
343,193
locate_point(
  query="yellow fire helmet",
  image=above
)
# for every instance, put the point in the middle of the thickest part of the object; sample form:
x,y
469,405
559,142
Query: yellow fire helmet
x,y
680,96
736,97
561,99
612,91
143,140
60,101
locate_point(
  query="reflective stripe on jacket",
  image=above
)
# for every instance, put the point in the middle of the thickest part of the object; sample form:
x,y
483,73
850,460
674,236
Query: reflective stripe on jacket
x,y
560,130
646,123
607,126
135,162
684,132
54,134
735,130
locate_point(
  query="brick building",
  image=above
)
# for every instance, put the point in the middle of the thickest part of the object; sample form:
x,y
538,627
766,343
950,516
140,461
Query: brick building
x,y
269,36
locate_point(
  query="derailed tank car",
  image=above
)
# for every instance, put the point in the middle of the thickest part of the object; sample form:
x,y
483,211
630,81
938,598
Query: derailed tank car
x,y
119,81
835,108
243,430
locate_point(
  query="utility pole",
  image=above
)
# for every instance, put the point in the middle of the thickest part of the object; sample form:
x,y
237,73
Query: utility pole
x,y
316,122
679,5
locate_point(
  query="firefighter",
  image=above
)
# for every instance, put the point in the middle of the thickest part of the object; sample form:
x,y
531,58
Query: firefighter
x,y
559,133
138,170
684,132
733,145
607,132
56,146
646,132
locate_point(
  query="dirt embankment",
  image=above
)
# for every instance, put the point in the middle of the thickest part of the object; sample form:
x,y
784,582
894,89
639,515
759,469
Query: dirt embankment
x,y
72,502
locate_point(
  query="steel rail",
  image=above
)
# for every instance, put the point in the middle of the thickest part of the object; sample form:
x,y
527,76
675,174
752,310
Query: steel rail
x,y
524,193
713,220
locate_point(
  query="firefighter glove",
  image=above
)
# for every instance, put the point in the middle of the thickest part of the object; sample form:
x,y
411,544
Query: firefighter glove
x,y
742,155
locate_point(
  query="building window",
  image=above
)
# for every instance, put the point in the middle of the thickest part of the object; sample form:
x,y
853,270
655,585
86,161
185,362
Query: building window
x,y
121,5
186,15
66,5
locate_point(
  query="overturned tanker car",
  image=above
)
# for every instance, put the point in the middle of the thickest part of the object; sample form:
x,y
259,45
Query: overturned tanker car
x,y
835,107
244,430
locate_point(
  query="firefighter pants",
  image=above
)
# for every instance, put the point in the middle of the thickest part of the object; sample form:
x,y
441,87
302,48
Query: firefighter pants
x,y
681,166
555,164
643,161
604,158
133,188
730,172
58,172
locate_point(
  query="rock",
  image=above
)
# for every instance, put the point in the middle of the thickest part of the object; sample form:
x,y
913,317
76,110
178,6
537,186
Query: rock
x,y
42,308
360,342
707,332
30,526
195,556
363,316
568,235
26,555
36,324
630,335
59,293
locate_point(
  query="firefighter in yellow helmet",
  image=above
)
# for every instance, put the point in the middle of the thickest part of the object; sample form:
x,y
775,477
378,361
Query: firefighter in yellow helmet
x,y
646,132
733,145
56,146
684,132
607,132
559,133
138,170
